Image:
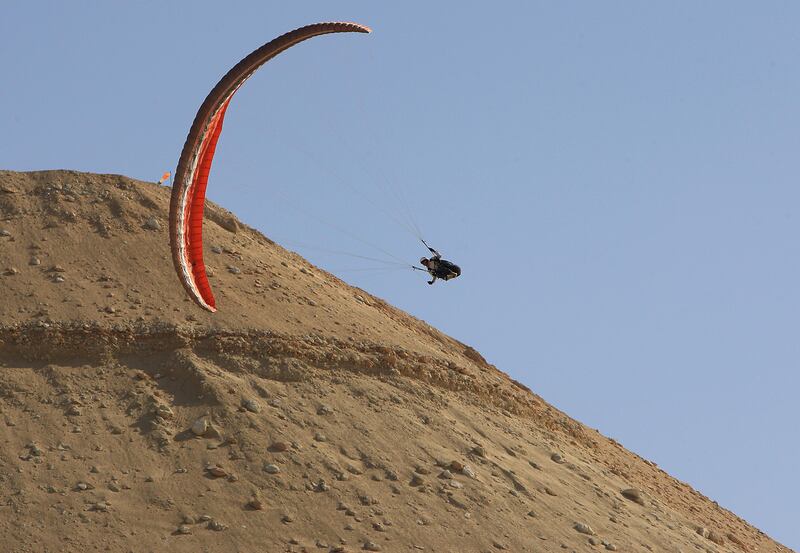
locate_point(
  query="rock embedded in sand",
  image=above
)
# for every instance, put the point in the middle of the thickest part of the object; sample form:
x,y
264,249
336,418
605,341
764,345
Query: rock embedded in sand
x,y
251,405
229,223
736,540
321,486
216,526
584,529
634,495
279,447
151,224
256,504
164,411
216,471
352,469
271,469
100,506
200,427
715,537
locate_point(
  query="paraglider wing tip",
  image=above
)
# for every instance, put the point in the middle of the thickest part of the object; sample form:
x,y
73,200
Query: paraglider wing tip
x,y
206,302
207,306
353,26
206,299
357,27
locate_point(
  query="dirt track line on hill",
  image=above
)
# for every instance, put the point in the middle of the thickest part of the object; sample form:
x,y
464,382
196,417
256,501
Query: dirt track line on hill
x,y
48,342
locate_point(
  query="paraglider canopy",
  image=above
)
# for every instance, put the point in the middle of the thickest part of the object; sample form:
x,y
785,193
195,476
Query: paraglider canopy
x,y
187,203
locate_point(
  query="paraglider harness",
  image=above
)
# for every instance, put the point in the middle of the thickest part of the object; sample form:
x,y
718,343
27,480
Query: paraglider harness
x,y
438,267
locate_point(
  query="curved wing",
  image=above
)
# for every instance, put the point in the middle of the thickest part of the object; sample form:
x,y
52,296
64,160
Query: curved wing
x,y
191,176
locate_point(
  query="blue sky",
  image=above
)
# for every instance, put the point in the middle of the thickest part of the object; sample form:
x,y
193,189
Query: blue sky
x,y
618,181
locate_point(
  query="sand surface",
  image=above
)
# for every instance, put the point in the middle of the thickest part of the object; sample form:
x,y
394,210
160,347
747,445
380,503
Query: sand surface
x,y
306,415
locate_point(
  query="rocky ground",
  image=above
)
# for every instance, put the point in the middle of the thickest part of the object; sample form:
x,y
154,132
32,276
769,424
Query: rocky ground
x,y
306,415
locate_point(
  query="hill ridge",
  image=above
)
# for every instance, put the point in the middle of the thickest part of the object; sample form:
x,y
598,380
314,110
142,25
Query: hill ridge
x,y
324,418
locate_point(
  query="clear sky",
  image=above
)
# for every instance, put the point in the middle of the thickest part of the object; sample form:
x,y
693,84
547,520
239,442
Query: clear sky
x,y
618,181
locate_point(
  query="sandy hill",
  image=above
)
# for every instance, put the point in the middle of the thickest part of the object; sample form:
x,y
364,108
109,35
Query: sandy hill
x,y
307,415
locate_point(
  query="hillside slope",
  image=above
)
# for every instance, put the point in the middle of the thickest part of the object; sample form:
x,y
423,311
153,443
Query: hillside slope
x,y
307,415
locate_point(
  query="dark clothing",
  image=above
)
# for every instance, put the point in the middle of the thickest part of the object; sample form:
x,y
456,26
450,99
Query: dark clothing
x,y
445,269
440,268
